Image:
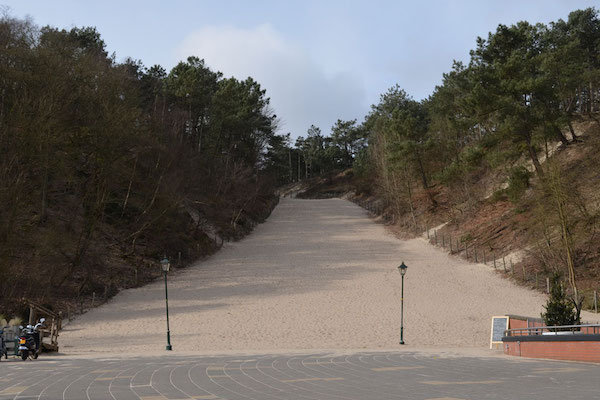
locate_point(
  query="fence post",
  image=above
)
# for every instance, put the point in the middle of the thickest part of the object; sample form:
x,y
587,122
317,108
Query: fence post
x,y
475,252
427,227
467,249
443,241
435,234
536,280
524,273
547,285
450,242
494,254
457,246
512,267
595,302
484,260
93,298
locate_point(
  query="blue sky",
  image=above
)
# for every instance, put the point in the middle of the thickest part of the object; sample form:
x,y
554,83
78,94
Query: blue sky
x,y
318,60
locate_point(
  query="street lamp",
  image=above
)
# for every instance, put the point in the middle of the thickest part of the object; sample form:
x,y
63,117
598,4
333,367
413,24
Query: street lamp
x,y
165,266
402,269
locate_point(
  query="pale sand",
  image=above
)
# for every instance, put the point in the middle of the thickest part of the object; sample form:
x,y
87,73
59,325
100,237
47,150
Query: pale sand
x,y
318,275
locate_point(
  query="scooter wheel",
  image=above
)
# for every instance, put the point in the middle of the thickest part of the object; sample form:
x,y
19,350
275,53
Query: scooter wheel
x,y
24,355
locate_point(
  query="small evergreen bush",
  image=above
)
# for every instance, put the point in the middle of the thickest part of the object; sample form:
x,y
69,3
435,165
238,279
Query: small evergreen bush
x,y
518,182
559,309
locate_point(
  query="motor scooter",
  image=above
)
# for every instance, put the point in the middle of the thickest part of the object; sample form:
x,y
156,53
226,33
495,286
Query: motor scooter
x,y
30,341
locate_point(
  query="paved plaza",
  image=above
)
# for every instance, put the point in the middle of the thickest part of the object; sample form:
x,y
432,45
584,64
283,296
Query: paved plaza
x,y
364,376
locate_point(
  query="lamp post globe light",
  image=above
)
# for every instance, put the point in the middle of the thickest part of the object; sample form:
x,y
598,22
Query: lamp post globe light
x,y
165,265
402,269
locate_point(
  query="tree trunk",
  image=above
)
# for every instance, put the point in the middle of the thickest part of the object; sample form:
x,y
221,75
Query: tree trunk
x,y
407,184
534,157
290,163
422,172
129,186
559,195
591,97
305,166
44,205
561,136
200,132
573,134
299,167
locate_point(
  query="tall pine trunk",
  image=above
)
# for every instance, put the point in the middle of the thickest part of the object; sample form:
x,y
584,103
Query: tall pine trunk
x,y
534,157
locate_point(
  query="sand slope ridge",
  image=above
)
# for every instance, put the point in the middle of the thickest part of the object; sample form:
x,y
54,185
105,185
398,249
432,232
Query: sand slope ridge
x,y
319,274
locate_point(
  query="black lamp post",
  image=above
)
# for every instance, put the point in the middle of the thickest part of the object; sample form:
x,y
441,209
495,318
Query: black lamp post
x,y
402,269
166,265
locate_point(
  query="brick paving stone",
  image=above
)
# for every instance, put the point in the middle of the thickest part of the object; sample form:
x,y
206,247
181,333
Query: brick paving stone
x,y
373,376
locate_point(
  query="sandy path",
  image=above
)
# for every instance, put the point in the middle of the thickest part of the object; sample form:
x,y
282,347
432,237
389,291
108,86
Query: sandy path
x,y
319,274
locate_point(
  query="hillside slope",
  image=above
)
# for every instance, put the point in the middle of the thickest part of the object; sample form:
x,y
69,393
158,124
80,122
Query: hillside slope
x,y
319,274
521,233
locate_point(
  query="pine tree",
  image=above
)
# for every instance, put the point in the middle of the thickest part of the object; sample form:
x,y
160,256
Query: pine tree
x,y
559,310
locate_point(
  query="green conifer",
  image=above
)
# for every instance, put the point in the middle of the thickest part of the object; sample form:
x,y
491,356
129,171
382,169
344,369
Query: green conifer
x,y
559,310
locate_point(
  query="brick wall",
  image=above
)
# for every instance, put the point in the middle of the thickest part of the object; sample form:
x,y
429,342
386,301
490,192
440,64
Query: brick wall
x,y
554,347
583,346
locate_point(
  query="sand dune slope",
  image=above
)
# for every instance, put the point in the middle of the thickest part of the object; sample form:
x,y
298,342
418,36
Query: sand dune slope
x,y
319,274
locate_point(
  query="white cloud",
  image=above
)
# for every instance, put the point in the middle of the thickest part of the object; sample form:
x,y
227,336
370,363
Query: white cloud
x,y
301,92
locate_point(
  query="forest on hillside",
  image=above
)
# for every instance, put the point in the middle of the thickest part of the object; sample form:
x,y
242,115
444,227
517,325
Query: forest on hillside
x,y
108,166
484,141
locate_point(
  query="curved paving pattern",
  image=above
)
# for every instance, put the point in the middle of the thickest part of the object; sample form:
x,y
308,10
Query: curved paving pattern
x,y
371,376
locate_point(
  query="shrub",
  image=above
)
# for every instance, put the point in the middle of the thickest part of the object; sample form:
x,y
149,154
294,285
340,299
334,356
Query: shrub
x,y
449,174
499,195
559,310
518,182
473,156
